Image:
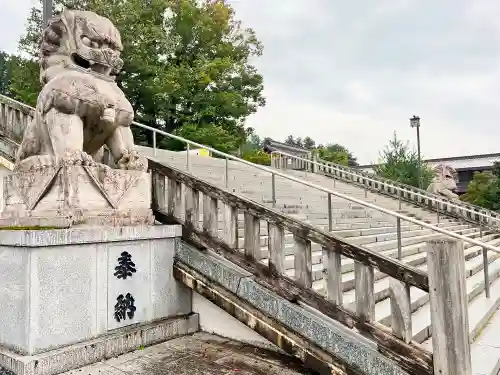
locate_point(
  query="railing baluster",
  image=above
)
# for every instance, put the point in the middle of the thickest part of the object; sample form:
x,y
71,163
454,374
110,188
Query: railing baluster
x,y
210,211
174,198
398,234
231,226
401,310
276,247
192,208
226,173
159,191
332,275
365,295
154,143
330,214
273,187
485,267
303,261
252,237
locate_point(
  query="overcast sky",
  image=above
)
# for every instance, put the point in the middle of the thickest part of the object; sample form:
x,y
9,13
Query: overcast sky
x,y
352,72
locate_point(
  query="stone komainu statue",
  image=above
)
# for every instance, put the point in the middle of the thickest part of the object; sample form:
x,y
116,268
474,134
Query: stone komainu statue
x,y
444,182
80,108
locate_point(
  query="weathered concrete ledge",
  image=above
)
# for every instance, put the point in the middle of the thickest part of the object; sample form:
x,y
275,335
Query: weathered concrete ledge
x,y
108,346
357,354
73,236
212,266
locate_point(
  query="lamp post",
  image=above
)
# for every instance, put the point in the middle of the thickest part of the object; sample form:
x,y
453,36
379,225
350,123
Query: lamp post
x,y
415,123
47,11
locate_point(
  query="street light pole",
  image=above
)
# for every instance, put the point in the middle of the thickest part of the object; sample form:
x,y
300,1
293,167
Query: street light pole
x,y
47,12
415,123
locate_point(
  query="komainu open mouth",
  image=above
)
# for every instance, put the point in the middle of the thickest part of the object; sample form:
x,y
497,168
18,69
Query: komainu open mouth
x,y
87,65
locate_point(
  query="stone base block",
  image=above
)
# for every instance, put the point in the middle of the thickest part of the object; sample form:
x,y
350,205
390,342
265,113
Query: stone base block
x,y
68,195
64,286
107,346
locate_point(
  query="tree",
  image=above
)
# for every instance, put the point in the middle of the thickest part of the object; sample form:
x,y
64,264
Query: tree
x,y
295,142
5,73
290,140
7,65
187,62
25,83
401,164
333,153
484,189
338,154
309,143
478,190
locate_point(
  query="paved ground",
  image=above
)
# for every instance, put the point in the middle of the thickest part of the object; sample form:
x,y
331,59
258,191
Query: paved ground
x,y
486,349
195,355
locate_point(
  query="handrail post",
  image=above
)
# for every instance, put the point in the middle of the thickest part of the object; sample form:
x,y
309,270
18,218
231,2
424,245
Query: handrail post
x,y
398,233
449,314
226,173
485,267
273,187
330,218
154,143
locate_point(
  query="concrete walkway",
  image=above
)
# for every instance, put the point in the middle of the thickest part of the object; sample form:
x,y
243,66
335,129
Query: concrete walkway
x,y
197,354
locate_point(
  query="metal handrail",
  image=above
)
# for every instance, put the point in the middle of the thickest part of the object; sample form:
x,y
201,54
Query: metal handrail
x,y
274,173
322,188
389,183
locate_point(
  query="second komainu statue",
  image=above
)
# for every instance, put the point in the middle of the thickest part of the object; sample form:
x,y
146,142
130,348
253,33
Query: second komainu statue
x,y
59,174
444,182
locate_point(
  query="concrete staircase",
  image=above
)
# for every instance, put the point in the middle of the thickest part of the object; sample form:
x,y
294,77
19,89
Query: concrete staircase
x,y
360,225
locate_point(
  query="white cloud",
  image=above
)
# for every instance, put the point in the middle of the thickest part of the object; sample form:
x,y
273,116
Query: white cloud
x,y
353,72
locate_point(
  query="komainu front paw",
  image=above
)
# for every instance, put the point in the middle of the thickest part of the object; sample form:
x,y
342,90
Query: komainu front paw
x,y
78,158
132,160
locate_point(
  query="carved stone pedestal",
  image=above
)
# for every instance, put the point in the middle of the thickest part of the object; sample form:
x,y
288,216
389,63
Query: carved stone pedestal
x,y
68,195
71,297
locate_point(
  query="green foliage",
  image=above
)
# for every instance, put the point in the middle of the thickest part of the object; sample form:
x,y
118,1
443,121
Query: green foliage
x,y
309,143
25,84
295,142
5,73
210,135
257,156
484,189
187,63
9,65
334,153
401,164
478,190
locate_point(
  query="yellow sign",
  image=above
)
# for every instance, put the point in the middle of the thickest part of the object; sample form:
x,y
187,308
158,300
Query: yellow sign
x,y
203,152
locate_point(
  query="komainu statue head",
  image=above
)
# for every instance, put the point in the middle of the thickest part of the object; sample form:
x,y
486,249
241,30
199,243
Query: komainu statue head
x,y
81,38
444,182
